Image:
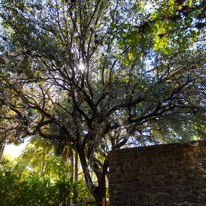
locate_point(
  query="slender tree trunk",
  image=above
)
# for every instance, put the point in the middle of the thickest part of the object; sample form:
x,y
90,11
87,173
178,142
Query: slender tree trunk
x,y
42,166
76,167
2,146
91,174
48,168
72,167
76,176
60,171
67,170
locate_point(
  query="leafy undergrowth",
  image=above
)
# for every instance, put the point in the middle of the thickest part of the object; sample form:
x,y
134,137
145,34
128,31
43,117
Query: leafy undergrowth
x,y
18,187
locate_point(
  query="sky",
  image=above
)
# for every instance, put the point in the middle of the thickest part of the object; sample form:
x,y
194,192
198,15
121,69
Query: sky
x,y
14,151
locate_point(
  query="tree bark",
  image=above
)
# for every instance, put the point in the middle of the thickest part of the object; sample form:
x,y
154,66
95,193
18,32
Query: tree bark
x,y
98,192
101,190
72,167
42,166
2,146
67,170
76,167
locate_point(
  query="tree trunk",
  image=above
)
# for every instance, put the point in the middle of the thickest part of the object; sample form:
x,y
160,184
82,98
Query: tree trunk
x,y
49,169
42,166
76,167
101,191
72,166
98,192
2,146
67,169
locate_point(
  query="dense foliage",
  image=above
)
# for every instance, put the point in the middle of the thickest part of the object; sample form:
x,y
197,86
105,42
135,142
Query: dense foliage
x,y
21,186
99,74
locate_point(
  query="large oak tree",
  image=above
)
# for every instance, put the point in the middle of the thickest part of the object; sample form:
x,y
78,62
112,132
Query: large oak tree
x,y
101,74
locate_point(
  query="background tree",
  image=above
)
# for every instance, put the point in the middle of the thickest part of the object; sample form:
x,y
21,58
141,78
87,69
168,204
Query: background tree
x,y
21,186
2,146
39,156
101,73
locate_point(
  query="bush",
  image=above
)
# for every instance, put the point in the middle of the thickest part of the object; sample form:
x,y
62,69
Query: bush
x,y
17,188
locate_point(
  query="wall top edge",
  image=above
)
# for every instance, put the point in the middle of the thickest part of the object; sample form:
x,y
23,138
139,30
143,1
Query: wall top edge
x,y
194,143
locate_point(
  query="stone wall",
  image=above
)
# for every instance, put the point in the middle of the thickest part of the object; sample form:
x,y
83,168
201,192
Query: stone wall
x,y
163,175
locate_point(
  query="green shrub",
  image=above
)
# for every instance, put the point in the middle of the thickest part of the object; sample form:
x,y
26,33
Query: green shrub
x,y
19,189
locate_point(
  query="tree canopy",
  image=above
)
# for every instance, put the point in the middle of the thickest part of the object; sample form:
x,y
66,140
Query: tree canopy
x,y
100,74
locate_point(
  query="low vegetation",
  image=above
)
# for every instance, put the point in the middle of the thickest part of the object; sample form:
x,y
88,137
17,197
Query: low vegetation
x,y
20,185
